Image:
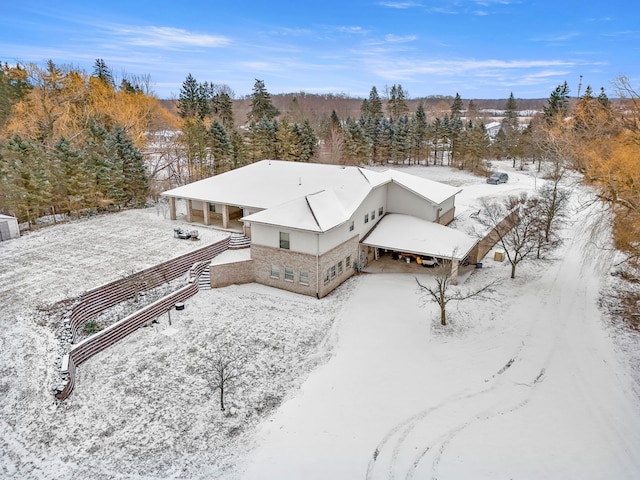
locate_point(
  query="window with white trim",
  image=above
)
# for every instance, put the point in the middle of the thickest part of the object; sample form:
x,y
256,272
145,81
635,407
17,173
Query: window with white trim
x,y
380,211
366,218
351,226
373,214
326,275
333,271
303,278
275,271
347,261
340,267
288,274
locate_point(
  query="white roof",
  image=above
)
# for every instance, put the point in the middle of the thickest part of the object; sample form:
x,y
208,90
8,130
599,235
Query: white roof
x,y
6,217
307,196
405,233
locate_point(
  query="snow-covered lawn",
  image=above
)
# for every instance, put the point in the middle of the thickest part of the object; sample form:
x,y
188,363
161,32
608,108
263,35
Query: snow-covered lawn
x,y
361,384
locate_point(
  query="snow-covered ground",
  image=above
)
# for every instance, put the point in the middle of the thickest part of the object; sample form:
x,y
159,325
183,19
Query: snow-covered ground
x,y
361,384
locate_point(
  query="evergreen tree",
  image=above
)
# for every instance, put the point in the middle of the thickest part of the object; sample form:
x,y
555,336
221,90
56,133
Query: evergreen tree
x,y
308,142
356,148
13,88
220,146
372,107
102,72
261,105
400,141
456,107
135,187
192,100
397,105
223,109
557,104
419,128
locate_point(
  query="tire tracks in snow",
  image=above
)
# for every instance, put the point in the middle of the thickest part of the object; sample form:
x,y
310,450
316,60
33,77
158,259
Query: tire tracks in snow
x,y
510,388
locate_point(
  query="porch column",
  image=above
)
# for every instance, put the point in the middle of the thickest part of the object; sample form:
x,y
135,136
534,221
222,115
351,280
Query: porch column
x,y
189,212
205,211
454,271
225,216
172,208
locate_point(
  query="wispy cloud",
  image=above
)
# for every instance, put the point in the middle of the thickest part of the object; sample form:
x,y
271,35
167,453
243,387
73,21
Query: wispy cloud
x,y
400,5
166,37
559,37
352,30
391,38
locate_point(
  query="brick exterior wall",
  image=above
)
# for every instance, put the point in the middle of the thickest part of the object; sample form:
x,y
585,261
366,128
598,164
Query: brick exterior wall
x,y
235,273
264,257
447,217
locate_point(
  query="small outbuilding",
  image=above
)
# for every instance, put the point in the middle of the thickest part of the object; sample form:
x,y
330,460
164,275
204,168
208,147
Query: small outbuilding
x,y
8,228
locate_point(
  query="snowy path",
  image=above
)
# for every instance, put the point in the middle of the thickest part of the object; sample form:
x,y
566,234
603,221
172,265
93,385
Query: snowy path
x,y
540,397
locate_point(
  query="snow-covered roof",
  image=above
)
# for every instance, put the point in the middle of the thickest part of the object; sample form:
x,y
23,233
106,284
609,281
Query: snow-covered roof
x,y
405,233
307,196
435,192
6,217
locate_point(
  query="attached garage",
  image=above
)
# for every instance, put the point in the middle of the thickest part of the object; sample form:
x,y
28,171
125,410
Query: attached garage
x,y
8,228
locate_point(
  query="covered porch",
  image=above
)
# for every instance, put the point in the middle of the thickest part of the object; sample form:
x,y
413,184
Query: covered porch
x,y
226,217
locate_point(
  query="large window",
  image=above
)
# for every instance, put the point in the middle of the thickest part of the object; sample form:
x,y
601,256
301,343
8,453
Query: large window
x,y
288,274
275,271
284,240
304,278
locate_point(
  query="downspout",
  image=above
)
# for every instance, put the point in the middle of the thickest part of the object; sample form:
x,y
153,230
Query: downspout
x,y
317,265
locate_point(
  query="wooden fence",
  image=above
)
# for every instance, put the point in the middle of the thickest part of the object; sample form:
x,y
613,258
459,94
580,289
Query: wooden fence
x,y
92,303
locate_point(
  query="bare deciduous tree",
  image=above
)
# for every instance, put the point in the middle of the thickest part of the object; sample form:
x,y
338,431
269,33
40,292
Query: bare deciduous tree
x,y
443,292
516,225
224,364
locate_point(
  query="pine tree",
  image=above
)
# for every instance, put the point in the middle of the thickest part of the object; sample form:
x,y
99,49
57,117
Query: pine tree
x,y
456,107
102,72
308,142
135,186
223,109
220,146
372,107
397,105
192,99
261,105
557,104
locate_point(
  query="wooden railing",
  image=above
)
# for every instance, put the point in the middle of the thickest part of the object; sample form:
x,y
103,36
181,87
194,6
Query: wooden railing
x,y
112,293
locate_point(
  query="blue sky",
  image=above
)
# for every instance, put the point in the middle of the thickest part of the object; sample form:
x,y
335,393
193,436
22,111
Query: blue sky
x,y
480,49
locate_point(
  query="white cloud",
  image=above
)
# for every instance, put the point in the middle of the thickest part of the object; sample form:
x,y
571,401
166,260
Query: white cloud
x,y
400,5
391,38
167,37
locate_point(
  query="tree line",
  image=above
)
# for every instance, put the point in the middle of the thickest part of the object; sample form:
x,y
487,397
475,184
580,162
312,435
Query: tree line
x,y
73,142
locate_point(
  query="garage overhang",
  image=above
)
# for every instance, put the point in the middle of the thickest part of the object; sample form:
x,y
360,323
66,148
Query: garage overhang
x,y
404,233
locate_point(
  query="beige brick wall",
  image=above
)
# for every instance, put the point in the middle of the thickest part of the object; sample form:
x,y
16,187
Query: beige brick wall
x,y
263,257
232,273
447,217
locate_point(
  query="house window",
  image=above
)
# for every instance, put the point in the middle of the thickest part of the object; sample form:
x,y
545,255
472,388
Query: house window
x,y
304,278
351,226
333,271
373,215
212,207
326,275
284,240
380,211
347,261
366,218
340,267
288,274
275,271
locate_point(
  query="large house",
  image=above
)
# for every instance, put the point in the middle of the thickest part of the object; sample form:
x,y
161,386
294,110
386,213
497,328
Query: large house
x,y
312,225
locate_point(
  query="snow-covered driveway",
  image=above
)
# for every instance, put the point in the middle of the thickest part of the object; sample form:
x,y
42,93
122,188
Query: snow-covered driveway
x,y
531,388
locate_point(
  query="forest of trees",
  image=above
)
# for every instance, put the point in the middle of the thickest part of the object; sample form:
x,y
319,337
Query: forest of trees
x,y
73,143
